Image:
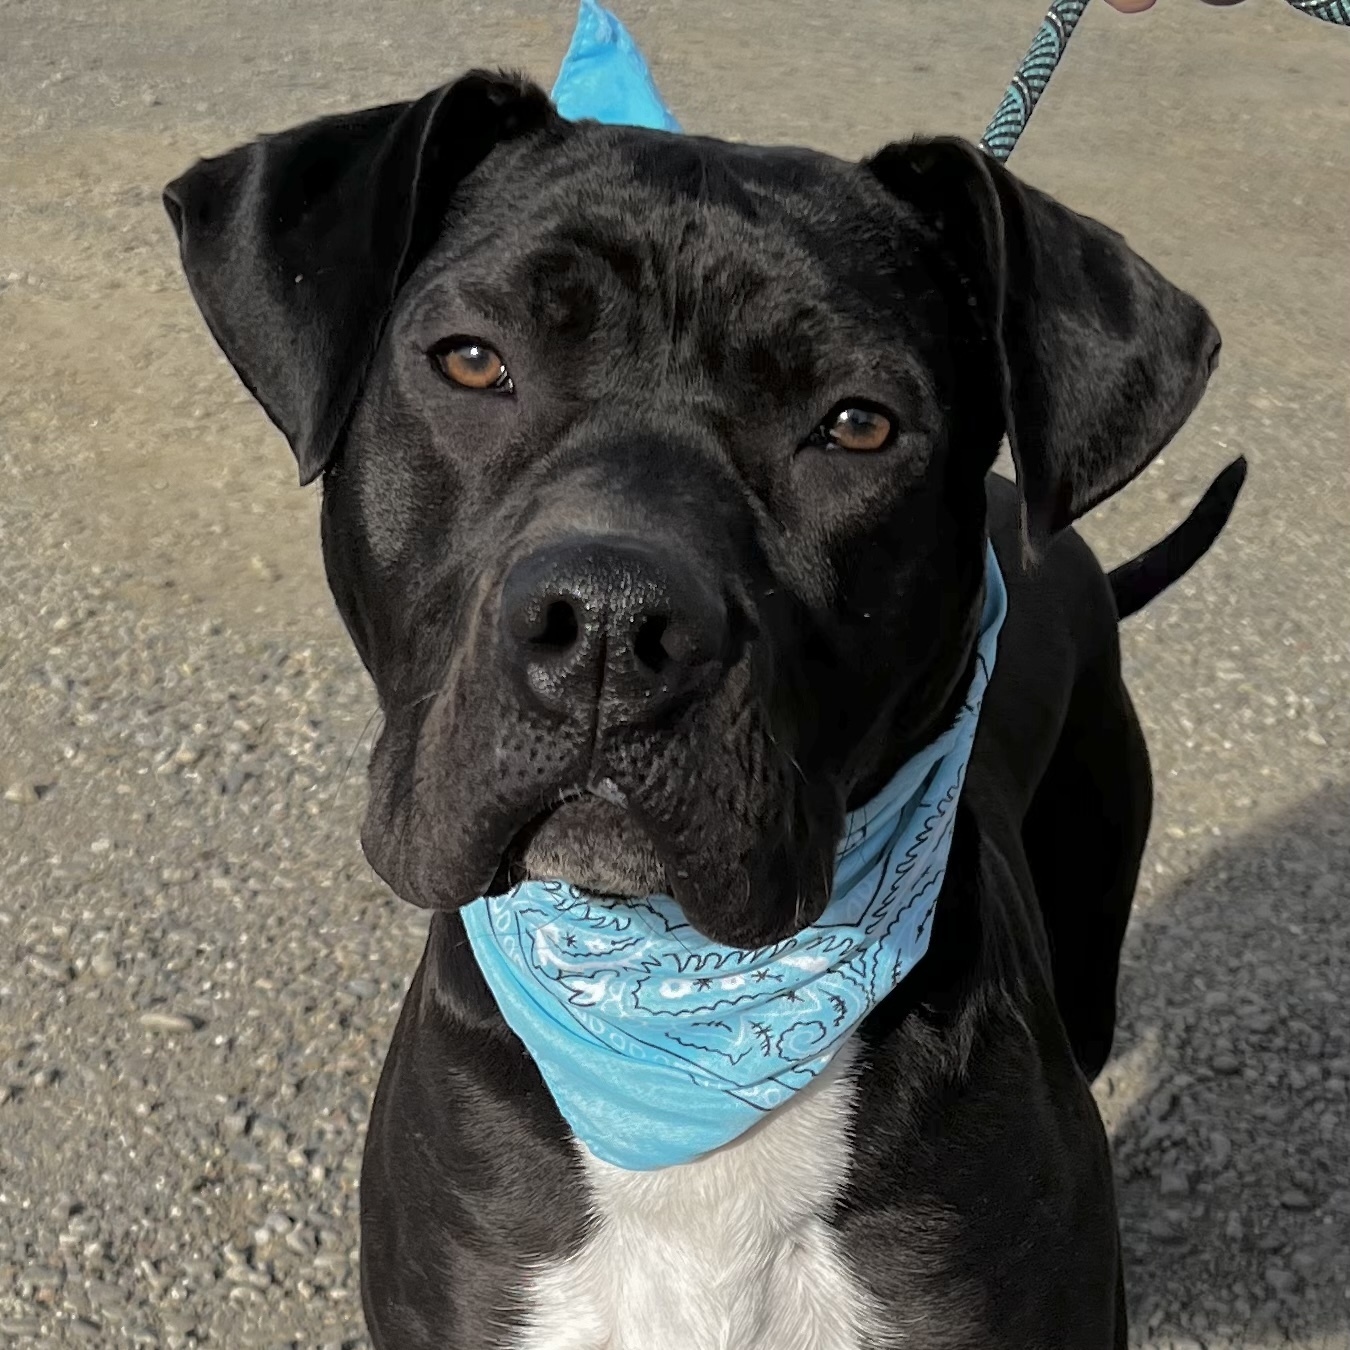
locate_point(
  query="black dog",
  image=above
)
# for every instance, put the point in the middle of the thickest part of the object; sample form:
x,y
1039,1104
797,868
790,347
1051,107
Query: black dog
x,y
655,501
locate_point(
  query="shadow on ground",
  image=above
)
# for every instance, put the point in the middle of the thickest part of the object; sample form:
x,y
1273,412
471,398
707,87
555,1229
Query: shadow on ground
x,y
1234,1041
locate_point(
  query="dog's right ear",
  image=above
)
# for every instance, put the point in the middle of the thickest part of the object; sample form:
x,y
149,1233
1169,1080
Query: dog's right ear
x,y
1101,358
295,246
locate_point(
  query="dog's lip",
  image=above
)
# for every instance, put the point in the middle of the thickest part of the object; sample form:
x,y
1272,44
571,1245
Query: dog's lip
x,y
511,867
605,789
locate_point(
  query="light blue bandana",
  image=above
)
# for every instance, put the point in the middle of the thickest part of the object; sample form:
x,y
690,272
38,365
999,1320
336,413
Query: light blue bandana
x,y
659,1045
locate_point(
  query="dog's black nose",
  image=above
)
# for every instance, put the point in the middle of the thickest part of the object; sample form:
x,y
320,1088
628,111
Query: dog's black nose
x,y
617,626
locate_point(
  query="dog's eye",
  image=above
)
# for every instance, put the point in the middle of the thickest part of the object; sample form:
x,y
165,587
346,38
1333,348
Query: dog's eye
x,y
858,428
474,365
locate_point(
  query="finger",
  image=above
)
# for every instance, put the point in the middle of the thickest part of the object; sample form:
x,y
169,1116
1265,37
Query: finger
x,y
1131,6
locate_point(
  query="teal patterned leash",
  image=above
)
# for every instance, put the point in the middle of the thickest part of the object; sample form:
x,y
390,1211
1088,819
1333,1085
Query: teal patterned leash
x,y
1047,48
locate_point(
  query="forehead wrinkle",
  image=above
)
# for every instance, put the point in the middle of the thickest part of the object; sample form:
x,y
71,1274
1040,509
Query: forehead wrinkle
x,y
696,277
673,266
605,175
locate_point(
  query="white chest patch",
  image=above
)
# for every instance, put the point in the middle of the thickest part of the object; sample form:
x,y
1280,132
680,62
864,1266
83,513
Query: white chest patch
x,y
731,1252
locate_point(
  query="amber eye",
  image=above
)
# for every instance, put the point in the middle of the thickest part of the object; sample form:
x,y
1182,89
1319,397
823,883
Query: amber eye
x,y
473,365
861,429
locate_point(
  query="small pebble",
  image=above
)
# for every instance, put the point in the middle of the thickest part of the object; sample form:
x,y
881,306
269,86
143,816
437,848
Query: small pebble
x,y
1281,1280
1174,1182
1220,1149
167,1022
58,971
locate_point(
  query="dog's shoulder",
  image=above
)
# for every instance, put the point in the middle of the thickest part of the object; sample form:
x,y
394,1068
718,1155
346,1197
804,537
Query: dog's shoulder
x,y
1061,582
1061,620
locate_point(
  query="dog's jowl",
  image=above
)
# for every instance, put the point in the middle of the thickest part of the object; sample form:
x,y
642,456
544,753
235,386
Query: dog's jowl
x,y
779,833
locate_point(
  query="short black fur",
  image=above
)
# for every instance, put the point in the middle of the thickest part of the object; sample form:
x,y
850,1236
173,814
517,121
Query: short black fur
x,y
638,624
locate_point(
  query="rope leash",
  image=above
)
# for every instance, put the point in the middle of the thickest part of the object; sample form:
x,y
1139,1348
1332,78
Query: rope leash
x,y
1047,49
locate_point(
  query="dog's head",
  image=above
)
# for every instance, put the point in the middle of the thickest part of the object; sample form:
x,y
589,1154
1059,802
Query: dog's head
x,y
654,466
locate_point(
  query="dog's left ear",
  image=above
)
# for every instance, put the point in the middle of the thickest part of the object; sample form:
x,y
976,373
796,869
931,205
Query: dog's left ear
x,y
296,245
1101,358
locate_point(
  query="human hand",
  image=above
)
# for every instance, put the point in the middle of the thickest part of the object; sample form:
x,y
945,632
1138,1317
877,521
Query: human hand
x,y
1138,6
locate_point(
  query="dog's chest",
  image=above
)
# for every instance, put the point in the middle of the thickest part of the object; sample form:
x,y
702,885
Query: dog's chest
x,y
732,1252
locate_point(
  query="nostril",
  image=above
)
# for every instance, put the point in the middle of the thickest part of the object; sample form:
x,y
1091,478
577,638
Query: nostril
x,y
649,644
560,628
618,625
549,625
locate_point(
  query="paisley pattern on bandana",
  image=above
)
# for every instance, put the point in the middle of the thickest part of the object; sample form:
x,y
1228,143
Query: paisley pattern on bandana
x,y
659,1045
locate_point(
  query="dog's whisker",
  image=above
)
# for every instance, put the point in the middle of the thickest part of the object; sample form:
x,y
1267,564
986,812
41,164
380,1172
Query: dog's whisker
x,y
791,759
676,936
416,702
351,758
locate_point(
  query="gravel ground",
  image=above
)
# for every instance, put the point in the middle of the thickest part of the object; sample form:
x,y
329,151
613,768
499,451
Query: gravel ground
x,y
198,975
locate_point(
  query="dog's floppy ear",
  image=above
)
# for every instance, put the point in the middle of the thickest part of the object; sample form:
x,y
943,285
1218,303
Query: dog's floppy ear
x,y
296,245
1100,357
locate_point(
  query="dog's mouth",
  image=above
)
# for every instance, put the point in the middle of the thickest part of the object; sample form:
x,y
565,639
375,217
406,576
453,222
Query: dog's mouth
x,y
590,840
